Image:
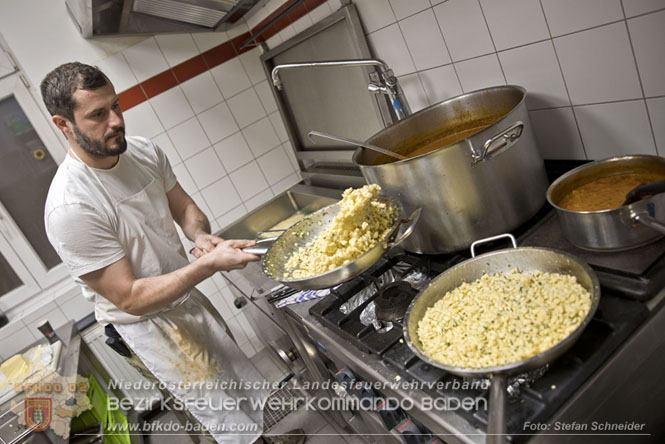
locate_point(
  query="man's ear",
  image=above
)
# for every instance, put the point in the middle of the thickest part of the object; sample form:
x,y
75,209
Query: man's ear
x,y
63,124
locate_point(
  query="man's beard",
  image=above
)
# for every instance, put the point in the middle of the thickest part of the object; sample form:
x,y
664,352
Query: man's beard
x,y
98,148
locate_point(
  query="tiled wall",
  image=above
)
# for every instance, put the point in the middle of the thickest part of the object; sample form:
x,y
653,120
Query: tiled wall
x,y
594,70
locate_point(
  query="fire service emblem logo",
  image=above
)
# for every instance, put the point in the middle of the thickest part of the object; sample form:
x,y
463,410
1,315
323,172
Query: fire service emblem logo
x,y
38,413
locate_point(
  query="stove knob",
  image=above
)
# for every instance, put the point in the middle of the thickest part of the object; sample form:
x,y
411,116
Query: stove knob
x,y
411,433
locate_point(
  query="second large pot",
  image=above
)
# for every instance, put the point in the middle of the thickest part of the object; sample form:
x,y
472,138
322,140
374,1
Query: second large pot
x,y
488,183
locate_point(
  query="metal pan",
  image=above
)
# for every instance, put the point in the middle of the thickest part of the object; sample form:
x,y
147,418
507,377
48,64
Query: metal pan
x,y
277,251
526,259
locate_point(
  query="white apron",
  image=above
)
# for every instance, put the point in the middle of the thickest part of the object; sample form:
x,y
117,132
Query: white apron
x,y
186,346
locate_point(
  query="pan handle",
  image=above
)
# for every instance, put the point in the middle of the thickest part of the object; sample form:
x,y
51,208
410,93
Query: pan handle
x,y
411,224
645,217
496,425
490,239
505,139
262,246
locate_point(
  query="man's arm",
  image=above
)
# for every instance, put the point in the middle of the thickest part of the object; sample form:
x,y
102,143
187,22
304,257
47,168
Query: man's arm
x,y
118,284
191,219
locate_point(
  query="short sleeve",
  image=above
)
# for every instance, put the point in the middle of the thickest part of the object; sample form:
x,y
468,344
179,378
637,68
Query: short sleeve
x,y
165,169
83,238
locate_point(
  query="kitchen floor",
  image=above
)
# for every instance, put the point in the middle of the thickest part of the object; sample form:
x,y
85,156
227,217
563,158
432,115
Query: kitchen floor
x,y
315,425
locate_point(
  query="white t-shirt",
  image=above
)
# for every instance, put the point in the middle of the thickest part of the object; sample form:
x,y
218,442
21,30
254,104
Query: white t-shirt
x,y
82,222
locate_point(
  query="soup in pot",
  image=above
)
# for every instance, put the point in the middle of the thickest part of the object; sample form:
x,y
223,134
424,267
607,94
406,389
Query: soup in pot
x,y
605,193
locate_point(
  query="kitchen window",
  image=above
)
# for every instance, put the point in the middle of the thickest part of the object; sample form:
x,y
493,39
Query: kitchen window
x,y
29,156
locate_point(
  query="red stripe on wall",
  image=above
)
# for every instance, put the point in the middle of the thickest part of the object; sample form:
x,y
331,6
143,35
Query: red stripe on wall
x,y
166,80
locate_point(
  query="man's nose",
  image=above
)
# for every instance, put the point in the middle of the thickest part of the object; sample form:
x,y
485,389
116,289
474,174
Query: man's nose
x,y
115,119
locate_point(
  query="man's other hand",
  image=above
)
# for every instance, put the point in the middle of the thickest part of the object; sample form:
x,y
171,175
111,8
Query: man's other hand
x,y
228,255
205,243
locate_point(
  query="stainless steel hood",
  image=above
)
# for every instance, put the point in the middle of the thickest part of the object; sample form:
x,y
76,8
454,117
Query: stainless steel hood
x,y
117,17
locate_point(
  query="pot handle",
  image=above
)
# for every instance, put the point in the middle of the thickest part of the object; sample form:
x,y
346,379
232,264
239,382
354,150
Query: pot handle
x,y
411,224
490,239
262,246
496,424
505,139
645,217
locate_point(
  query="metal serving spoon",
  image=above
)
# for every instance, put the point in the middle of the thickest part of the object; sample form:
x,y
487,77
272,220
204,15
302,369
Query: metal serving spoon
x,y
355,142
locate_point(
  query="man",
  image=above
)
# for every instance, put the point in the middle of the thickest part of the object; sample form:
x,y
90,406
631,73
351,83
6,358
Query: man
x,y
109,214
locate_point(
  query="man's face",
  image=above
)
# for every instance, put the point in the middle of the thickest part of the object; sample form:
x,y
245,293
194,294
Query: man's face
x,y
98,126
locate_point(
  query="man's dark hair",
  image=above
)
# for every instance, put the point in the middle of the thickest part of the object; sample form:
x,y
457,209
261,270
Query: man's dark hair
x,y
59,86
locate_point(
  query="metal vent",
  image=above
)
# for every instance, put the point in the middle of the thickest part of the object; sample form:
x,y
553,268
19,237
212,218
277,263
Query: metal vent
x,y
206,13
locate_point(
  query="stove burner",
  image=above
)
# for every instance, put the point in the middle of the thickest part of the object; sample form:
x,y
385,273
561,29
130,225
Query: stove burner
x,y
393,300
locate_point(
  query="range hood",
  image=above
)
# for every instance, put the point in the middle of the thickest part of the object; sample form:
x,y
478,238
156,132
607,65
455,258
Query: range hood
x,y
130,17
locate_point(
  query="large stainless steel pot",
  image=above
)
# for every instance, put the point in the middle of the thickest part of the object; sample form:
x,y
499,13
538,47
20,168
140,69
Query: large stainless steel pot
x,y
527,260
617,229
486,184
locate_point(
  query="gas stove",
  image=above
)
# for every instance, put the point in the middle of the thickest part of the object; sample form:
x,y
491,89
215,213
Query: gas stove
x,y
627,279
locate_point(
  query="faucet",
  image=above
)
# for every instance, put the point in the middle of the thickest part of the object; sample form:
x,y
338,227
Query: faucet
x,y
384,82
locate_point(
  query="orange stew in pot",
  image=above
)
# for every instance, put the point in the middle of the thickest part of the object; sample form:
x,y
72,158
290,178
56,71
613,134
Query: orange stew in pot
x,y
605,193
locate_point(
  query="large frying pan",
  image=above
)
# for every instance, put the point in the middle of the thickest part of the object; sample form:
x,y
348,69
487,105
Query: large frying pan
x,y
277,251
525,259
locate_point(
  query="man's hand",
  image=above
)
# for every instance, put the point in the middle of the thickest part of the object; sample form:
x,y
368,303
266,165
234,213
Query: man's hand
x,y
228,255
205,243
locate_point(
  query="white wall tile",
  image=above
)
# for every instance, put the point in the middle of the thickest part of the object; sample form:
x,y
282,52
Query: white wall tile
x,y
388,45
237,331
231,77
15,342
264,90
177,47
202,92
231,216
598,65
335,4
77,308
233,152
188,138
415,94
556,134
657,114
145,59
480,73
172,107
253,67
261,137
286,183
374,14
424,40
221,197
208,40
258,200
118,71
278,125
636,7
205,168
302,23
208,288
273,41
141,120
185,179
237,29
163,141
248,180
287,33
614,129
320,13
49,311
403,8
246,107
275,165
648,36
464,29
566,16
535,67
440,83
288,149
247,328
218,122
256,342
514,22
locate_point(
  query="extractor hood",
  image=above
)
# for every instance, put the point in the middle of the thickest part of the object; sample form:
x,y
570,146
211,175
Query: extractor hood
x,y
119,17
